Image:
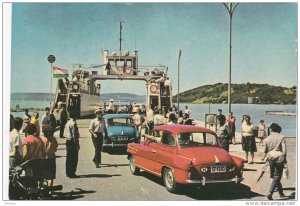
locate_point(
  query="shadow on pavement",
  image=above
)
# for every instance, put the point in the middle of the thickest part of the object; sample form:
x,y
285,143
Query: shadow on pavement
x,y
78,193
97,175
290,196
60,156
115,151
211,192
114,165
247,169
221,192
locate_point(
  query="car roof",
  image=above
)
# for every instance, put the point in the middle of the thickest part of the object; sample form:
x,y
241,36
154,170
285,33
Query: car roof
x,y
176,129
115,116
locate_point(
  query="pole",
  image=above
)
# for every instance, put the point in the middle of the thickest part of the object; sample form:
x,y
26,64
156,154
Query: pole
x,y
229,78
51,71
51,59
120,37
178,75
230,10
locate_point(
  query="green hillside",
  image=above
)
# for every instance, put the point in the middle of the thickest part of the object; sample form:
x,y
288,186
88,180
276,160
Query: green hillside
x,y
218,93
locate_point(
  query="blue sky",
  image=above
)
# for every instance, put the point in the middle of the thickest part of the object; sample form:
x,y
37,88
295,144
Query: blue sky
x,y
264,41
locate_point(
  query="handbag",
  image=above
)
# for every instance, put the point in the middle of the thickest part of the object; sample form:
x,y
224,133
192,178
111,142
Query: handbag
x,y
276,155
285,173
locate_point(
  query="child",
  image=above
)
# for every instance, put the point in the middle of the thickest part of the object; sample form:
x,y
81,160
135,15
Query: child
x,y
261,132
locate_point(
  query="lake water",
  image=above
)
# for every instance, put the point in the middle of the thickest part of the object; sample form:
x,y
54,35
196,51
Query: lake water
x,y
256,111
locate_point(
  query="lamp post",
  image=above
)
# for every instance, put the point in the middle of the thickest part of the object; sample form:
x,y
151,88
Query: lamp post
x,y
51,59
230,8
179,55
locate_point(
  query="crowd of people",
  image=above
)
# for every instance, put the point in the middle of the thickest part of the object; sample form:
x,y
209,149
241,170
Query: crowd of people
x,y
35,143
40,144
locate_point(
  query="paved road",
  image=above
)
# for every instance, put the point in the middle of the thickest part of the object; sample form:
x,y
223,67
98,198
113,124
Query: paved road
x,y
113,181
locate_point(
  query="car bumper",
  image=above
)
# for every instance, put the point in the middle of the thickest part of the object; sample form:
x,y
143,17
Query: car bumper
x,y
116,144
205,181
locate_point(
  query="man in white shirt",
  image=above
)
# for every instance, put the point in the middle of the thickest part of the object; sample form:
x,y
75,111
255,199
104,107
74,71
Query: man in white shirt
x,y
15,143
150,115
72,143
158,118
167,85
187,110
137,118
46,116
97,130
111,108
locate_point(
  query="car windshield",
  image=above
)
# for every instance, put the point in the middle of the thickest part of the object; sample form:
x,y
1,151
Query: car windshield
x,y
119,122
193,139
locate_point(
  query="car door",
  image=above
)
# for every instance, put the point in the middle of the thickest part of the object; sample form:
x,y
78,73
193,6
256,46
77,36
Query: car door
x,y
163,152
145,155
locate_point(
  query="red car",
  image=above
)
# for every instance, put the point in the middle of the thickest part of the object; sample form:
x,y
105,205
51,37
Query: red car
x,y
183,155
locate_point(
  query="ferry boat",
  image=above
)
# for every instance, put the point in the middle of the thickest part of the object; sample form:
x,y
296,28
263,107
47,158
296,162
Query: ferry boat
x,y
82,94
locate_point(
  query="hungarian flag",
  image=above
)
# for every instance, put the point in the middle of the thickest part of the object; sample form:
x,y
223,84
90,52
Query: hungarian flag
x,y
59,72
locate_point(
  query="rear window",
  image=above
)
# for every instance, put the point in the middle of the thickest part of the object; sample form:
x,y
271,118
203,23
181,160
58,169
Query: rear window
x,y
119,122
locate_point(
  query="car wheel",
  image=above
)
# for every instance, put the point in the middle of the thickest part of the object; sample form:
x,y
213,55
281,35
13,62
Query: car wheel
x,y
169,180
133,168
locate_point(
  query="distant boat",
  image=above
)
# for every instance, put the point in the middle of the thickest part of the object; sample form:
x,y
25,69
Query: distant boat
x,y
282,113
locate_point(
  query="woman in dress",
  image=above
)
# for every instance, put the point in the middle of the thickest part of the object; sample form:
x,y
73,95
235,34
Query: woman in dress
x,y
50,145
261,132
248,139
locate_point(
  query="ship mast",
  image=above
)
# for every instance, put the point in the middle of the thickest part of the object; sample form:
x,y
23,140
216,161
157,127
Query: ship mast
x,y
120,37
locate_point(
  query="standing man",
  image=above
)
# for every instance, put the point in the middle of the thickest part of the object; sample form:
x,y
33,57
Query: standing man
x,y
52,120
231,125
130,108
111,107
63,116
46,116
224,133
150,115
97,128
35,121
137,118
187,111
26,120
72,143
15,144
275,141
167,85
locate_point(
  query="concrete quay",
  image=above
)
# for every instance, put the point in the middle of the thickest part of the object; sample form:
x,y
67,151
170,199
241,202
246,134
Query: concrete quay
x,y
114,182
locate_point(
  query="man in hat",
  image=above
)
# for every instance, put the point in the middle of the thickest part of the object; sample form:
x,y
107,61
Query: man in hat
x,y
97,129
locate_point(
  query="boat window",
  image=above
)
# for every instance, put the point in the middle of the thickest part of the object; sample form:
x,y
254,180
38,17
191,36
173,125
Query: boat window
x,y
120,63
168,139
75,88
129,63
190,139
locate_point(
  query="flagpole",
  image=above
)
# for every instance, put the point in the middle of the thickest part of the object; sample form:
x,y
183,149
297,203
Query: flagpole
x,y
51,59
51,75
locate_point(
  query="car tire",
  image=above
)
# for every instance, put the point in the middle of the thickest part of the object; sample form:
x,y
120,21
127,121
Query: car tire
x,y
133,168
169,180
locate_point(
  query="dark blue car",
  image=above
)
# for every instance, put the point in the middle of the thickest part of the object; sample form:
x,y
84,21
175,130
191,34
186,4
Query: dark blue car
x,y
120,130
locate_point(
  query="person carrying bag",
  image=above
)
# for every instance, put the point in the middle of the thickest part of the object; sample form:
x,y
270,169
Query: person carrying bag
x,y
275,151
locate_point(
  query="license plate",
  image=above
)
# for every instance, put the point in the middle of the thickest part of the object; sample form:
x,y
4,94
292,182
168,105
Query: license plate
x,y
122,138
218,169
